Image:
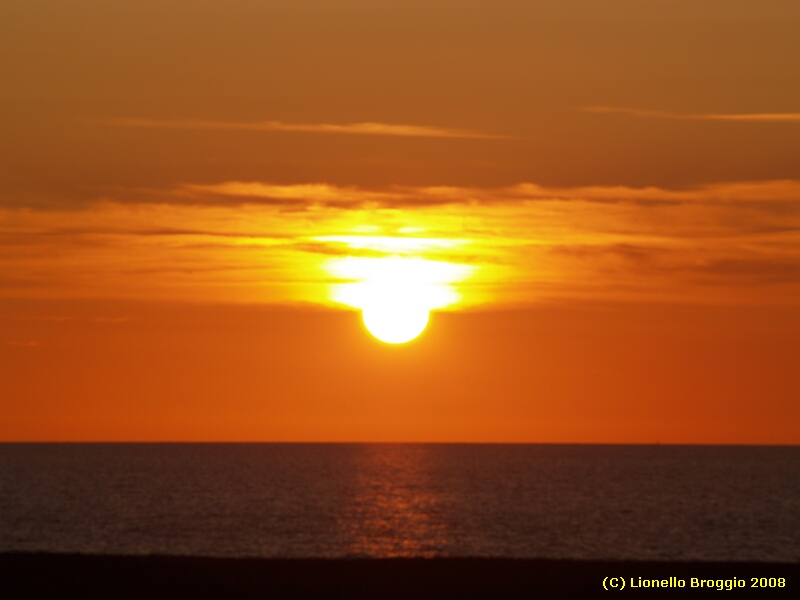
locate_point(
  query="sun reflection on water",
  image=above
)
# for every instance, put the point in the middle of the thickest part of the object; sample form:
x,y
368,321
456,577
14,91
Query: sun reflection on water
x,y
397,507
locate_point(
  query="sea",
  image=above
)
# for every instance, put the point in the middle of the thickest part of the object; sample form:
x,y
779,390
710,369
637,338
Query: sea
x,y
670,503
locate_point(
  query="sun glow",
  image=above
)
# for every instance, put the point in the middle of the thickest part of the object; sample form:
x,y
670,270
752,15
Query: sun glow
x,y
396,293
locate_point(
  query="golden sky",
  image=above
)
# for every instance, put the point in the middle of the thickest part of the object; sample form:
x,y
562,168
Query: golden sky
x,y
599,201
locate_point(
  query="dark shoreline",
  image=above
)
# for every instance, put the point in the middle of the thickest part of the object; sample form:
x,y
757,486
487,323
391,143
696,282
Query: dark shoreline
x,y
42,575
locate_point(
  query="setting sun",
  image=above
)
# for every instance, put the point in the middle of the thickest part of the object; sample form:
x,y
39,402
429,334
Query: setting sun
x,y
396,293
395,322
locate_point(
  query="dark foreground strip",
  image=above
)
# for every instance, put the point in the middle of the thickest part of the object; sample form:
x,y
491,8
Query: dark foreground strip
x,y
54,576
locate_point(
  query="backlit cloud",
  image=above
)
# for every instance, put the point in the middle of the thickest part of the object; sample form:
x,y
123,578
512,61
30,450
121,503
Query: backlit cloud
x,y
237,242
320,194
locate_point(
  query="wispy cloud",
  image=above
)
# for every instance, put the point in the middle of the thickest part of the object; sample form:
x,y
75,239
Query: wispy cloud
x,y
656,114
301,196
367,128
291,195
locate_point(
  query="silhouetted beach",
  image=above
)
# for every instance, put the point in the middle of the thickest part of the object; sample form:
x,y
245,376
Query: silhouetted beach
x,y
41,575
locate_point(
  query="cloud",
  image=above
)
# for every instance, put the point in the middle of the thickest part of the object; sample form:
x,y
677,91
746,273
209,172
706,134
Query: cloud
x,y
655,114
287,195
236,241
739,191
299,196
753,271
778,196
367,128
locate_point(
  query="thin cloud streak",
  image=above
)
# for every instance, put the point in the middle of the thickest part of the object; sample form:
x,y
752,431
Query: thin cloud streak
x,y
367,128
408,197
656,114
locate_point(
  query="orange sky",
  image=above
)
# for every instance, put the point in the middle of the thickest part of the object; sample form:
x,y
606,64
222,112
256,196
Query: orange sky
x,y
606,194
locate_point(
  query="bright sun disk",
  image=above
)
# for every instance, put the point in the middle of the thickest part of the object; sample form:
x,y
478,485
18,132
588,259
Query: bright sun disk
x,y
393,323
396,293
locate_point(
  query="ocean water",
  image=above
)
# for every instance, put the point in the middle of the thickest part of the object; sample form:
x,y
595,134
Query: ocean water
x,y
387,500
